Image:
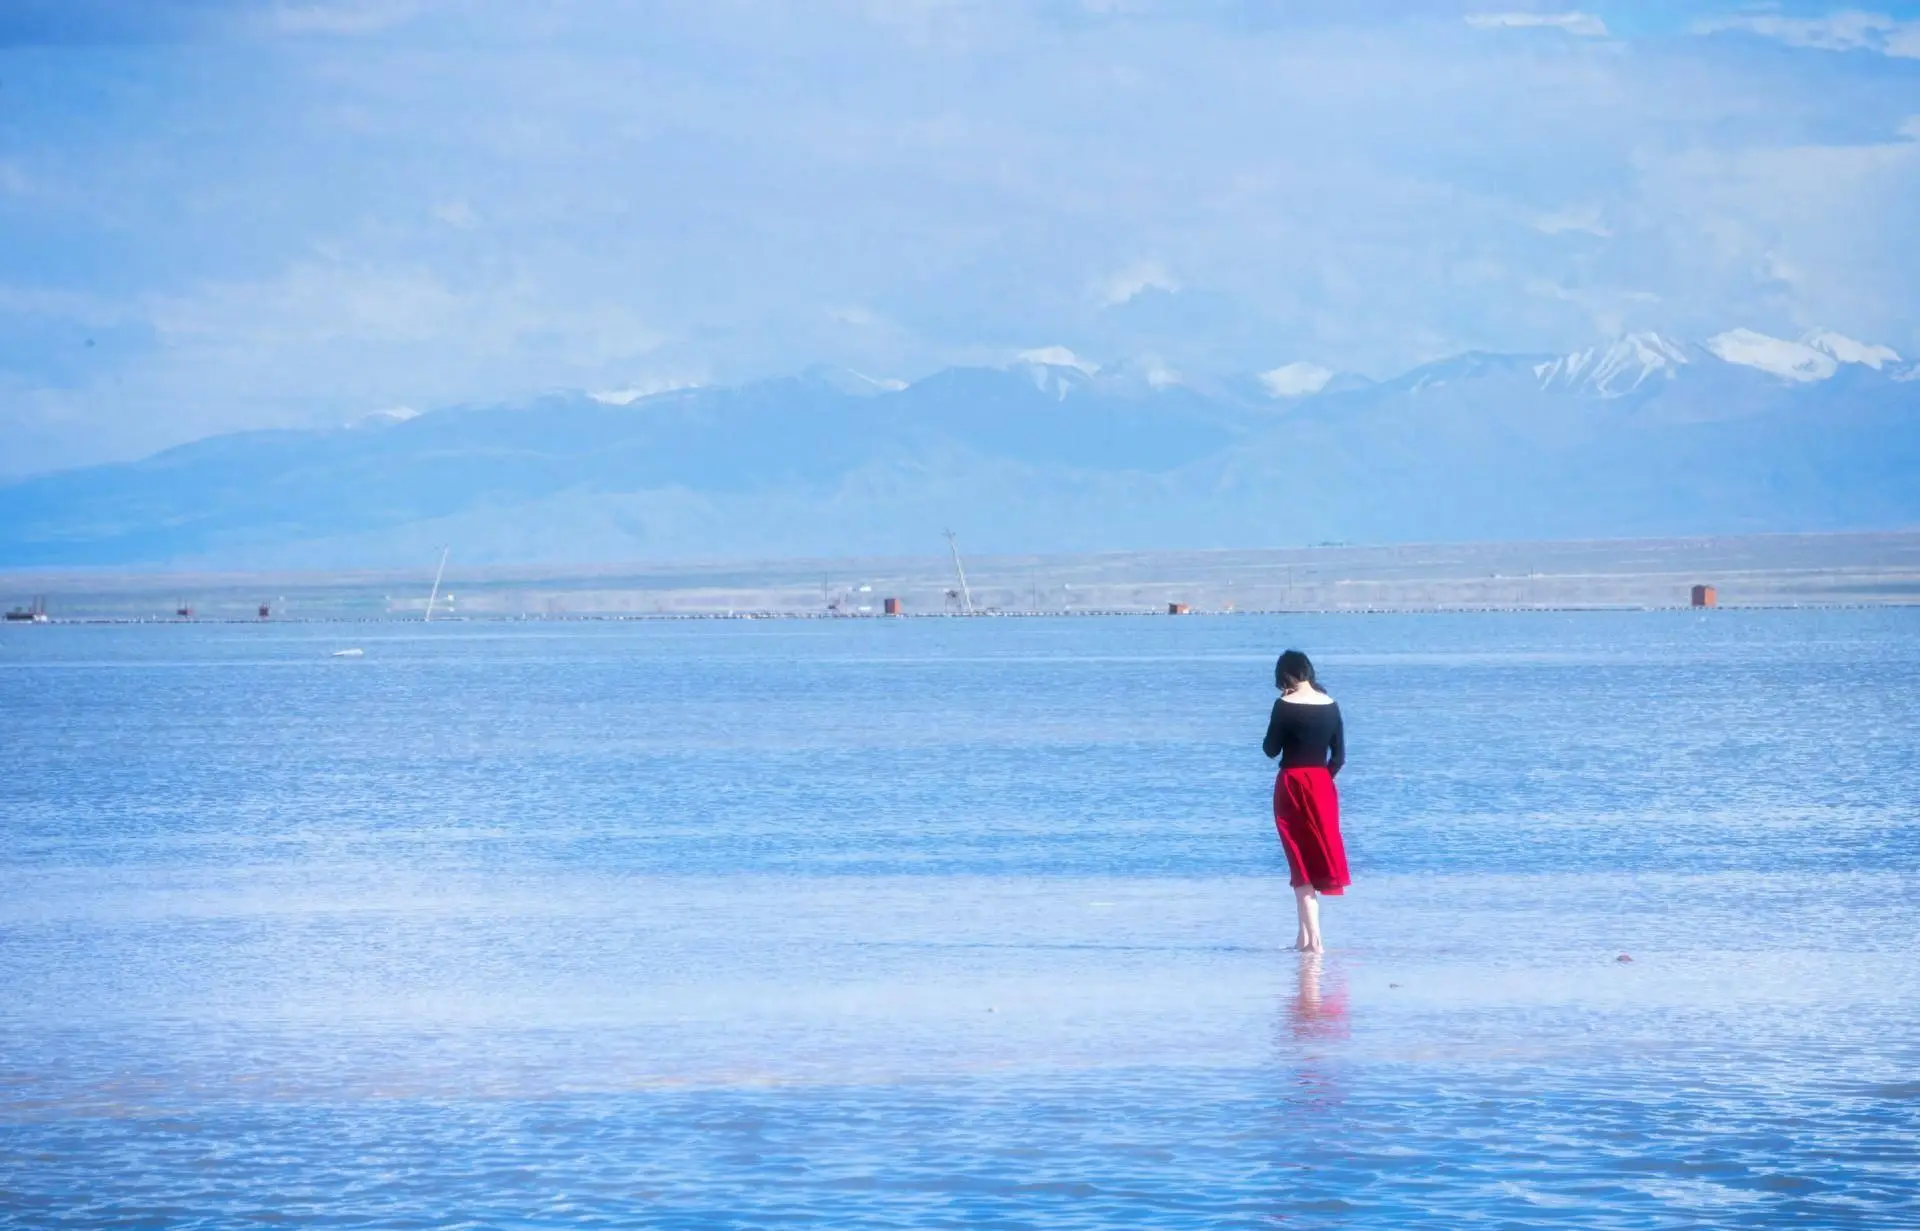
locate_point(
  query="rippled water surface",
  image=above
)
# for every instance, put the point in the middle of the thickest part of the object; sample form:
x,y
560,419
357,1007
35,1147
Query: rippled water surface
x,y
959,923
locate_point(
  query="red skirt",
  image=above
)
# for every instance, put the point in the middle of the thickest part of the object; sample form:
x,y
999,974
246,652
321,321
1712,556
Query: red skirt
x,y
1306,811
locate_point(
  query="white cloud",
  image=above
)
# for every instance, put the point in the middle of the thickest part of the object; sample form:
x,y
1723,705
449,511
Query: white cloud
x,y
1057,357
1610,308
393,414
457,214
1132,280
1583,219
1852,30
1298,379
605,191
1801,232
322,339
1584,25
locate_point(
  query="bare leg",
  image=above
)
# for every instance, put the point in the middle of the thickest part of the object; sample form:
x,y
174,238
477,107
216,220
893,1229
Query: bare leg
x,y
1306,901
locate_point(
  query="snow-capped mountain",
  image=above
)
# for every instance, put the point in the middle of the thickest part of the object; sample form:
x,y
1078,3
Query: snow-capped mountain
x,y
1297,379
1846,350
1795,361
1632,365
1816,357
1644,434
1628,363
852,383
1055,370
1616,369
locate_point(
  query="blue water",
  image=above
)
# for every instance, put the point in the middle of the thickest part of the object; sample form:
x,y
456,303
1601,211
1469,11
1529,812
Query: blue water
x,y
959,924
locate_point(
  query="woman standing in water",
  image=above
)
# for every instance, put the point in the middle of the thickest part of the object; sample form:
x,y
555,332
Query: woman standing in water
x,y
1306,733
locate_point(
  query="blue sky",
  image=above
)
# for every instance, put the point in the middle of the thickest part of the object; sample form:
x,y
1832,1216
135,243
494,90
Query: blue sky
x,y
217,215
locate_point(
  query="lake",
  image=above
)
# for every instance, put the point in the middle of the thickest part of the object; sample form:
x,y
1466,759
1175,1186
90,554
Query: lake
x,y
959,923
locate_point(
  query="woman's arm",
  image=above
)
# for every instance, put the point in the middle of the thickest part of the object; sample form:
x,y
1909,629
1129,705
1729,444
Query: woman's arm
x,y
1337,746
1271,745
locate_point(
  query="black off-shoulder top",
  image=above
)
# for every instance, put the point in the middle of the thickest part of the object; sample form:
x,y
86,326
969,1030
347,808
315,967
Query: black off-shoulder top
x,y
1306,736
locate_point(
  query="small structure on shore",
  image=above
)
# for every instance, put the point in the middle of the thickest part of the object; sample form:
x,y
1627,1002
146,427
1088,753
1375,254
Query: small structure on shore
x,y
890,605
1706,596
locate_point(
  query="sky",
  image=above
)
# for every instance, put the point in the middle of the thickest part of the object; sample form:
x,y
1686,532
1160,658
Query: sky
x,y
218,216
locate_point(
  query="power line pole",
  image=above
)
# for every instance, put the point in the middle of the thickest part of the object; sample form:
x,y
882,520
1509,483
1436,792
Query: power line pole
x,y
435,596
966,595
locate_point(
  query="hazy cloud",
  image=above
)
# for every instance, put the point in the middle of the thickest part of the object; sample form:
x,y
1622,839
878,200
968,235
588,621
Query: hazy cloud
x,y
362,204
1846,31
1585,25
1138,277
1584,219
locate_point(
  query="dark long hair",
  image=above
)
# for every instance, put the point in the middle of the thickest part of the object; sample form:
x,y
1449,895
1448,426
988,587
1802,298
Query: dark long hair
x,y
1294,668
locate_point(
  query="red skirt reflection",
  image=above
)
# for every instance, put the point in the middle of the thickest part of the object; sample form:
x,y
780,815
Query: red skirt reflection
x,y
1315,1015
1306,811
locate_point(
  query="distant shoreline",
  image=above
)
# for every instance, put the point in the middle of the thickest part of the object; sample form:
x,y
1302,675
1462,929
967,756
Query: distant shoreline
x,y
760,616
1749,572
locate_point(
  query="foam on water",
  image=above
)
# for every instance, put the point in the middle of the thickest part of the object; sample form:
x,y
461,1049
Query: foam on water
x,y
958,924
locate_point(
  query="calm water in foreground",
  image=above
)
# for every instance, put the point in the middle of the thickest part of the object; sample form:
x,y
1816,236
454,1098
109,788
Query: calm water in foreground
x,y
959,923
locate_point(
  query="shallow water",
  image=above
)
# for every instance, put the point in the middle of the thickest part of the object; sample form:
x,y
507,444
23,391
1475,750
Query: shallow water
x,y
959,923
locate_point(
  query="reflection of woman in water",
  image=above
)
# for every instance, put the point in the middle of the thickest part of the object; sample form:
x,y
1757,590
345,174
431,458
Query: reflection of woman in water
x,y
1313,1015
1306,733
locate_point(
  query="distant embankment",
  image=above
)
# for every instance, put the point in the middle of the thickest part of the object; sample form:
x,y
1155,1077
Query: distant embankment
x,y
1749,571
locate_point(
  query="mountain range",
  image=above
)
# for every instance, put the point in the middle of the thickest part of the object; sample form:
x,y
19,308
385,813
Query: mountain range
x,y
1643,435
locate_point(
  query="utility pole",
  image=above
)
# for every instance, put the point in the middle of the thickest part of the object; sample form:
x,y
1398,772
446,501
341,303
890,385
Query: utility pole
x,y
966,595
435,596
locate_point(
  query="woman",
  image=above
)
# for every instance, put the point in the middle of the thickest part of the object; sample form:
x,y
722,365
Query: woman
x,y
1307,735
